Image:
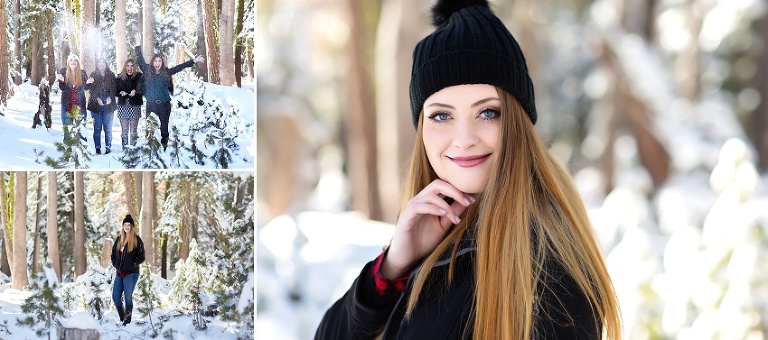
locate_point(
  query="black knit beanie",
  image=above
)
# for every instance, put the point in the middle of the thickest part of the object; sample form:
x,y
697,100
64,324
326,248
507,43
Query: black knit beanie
x,y
128,219
470,46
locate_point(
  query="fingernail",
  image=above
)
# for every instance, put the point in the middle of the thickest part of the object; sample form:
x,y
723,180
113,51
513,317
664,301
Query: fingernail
x,y
458,220
473,199
442,211
466,201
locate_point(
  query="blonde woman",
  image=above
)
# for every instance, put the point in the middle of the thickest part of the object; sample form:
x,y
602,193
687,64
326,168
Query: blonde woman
x,y
73,82
127,255
494,241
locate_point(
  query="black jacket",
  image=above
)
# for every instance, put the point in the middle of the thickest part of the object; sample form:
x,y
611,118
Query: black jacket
x,y
445,311
80,93
130,261
129,83
103,87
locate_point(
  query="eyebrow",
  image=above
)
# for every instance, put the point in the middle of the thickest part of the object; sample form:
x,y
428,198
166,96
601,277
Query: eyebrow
x,y
477,103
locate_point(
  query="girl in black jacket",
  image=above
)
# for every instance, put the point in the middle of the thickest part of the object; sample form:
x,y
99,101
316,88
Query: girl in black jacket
x,y
127,255
102,105
130,88
493,241
73,82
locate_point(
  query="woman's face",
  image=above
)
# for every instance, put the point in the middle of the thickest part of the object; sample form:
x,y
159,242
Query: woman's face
x,y
127,227
461,132
129,68
73,64
157,63
102,66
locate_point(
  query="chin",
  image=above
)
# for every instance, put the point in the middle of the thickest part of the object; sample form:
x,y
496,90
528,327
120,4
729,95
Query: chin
x,y
467,187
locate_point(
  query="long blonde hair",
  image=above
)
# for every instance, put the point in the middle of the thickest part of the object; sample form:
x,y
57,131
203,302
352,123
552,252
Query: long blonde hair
x,y
129,238
537,215
74,78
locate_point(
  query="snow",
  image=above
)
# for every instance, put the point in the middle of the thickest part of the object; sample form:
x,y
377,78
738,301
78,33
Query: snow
x,y
27,148
81,320
246,297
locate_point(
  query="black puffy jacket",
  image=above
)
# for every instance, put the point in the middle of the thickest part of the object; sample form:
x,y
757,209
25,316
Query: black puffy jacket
x,y
445,311
103,87
129,83
130,261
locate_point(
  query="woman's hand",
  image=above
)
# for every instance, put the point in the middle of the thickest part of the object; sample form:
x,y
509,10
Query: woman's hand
x,y
422,225
98,100
89,81
60,77
199,59
133,93
122,94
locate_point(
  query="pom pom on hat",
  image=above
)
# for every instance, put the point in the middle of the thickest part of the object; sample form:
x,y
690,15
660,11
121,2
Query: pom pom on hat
x,y
443,9
128,219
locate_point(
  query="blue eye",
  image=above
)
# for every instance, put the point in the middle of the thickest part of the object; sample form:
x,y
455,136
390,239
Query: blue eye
x,y
439,117
489,114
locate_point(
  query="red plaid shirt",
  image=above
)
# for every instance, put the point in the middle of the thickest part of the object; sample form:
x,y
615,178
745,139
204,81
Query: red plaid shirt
x,y
385,286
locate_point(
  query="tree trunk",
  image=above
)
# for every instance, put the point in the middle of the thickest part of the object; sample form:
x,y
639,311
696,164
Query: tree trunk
x,y
212,58
80,261
164,256
36,227
17,39
226,42
758,127
121,45
37,58
4,62
147,214
5,267
361,121
53,228
88,36
106,252
51,55
129,200
202,68
19,275
394,131
4,214
186,228
137,179
148,32
239,43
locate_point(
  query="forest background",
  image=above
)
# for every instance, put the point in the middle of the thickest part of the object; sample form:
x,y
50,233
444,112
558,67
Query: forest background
x,y
657,107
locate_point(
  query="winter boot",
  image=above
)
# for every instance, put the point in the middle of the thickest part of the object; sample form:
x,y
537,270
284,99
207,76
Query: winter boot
x,y
121,314
127,319
98,151
107,151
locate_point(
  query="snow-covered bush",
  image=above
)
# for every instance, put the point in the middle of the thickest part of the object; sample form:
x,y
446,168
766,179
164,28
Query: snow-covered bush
x,y
43,306
74,149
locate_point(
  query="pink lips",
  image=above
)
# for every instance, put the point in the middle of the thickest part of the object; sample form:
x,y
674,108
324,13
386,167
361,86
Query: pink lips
x,y
469,161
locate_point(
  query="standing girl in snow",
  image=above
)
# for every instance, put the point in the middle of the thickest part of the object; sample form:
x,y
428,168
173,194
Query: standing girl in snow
x,y
127,255
159,87
493,241
130,88
102,104
73,82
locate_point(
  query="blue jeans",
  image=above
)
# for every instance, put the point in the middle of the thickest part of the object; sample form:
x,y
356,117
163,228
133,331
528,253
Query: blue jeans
x,y
125,285
102,121
68,120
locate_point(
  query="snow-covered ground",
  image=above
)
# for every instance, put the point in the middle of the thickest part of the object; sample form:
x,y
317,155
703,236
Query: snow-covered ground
x,y
108,328
26,148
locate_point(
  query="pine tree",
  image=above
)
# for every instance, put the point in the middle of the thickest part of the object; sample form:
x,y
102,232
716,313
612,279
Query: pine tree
x,y
149,302
97,282
175,149
43,306
146,153
188,286
74,150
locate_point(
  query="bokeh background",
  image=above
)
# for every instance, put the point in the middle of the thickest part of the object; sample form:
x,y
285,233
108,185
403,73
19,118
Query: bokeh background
x,y
659,108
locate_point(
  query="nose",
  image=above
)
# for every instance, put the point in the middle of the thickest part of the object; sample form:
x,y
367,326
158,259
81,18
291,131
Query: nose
x,y
465,135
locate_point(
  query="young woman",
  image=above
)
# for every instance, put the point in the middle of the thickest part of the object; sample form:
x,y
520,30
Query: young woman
x,y
159,87
127,255
130,88
493,241
73,82
102,105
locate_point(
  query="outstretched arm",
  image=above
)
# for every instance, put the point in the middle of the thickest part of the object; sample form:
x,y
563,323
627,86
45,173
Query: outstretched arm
x,y
140,59
188,63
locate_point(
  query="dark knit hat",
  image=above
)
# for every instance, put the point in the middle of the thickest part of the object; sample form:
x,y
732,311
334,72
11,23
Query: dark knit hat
x,y
128,219
470,46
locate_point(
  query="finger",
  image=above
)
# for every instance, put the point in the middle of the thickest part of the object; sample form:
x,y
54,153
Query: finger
x,y
439,202
445,189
